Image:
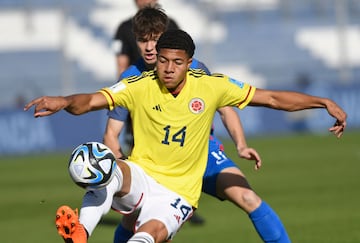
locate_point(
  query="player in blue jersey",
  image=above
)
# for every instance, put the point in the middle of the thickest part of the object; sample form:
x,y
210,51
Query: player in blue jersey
x,y
148,24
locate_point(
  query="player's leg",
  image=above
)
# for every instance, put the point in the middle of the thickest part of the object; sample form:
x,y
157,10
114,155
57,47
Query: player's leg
x,y
224,180
122,235
151,231
162,212
233,186
142,237
74,228
124,231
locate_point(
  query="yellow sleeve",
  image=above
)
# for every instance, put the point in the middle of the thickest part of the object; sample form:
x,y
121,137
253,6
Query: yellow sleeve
x,y
114,94
109,98
248,97
236,93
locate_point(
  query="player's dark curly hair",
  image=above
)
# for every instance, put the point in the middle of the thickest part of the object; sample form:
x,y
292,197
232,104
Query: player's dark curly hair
x,y
150,20
176,39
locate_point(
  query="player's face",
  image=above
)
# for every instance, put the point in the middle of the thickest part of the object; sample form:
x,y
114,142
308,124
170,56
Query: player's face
x,y
171,68
147,47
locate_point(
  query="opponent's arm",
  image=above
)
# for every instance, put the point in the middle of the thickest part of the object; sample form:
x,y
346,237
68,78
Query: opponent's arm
x,y
111,136
75,104
295,101
234,127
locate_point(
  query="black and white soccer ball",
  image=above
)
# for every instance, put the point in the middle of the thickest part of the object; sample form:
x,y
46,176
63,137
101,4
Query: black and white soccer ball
x,y
92,165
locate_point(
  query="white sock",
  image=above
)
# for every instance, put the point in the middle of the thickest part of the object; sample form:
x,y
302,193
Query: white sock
x,y
141,237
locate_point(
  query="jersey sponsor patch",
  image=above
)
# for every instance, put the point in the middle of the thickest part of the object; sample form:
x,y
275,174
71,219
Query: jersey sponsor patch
x,y
237,83
196,105
117,87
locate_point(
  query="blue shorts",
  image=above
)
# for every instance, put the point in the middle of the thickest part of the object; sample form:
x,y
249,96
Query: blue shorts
x,y
217,161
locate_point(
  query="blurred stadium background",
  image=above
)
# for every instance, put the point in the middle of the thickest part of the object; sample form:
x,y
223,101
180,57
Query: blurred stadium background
x,y
61,47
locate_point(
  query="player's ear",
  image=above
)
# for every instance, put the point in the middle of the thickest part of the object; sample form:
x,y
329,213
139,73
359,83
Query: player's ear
x,y
189,62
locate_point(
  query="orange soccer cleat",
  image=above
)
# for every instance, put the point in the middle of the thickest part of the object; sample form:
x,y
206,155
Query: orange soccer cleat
x,y
68,225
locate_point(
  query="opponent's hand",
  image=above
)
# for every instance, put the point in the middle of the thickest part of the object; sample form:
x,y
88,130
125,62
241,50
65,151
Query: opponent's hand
x,y
46,105
250,154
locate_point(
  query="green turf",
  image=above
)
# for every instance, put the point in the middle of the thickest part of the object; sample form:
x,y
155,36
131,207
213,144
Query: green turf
x,y
312,182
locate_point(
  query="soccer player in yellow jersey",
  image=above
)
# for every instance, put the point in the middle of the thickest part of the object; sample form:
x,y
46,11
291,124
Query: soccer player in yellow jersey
x,y
172,109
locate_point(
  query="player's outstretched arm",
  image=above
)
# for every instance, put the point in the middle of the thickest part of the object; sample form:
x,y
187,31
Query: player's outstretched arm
x,y
295,101
75,104
234,127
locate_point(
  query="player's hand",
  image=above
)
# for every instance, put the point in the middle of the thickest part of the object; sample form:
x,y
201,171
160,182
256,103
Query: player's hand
x,y
338,128
46,105
250,154
340,115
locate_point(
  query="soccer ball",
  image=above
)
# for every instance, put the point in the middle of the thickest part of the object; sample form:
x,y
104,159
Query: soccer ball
x,y
92,165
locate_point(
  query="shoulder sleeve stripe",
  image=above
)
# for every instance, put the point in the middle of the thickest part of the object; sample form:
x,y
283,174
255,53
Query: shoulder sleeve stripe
x,y
109,98
248,97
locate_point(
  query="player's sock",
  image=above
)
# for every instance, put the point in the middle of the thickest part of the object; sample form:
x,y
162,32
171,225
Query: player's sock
x,y
122,235
268,224
141,237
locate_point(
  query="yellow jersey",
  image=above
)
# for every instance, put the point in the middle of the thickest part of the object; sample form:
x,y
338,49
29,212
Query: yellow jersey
x,y
171,133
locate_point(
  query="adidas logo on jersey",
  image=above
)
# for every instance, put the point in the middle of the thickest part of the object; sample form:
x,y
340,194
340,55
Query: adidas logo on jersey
x,y
157,107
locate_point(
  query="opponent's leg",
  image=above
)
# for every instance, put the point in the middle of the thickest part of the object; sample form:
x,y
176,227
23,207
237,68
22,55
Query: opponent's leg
x,y
268,224
122,235
232,185
124,231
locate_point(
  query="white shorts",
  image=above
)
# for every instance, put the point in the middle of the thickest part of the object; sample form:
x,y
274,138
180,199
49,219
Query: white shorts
x,y
153,201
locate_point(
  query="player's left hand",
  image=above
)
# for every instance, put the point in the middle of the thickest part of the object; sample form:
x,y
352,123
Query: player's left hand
x,y
340,115
338,128
250,154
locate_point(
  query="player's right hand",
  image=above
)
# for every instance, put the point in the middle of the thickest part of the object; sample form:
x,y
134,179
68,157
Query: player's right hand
x,y
46,105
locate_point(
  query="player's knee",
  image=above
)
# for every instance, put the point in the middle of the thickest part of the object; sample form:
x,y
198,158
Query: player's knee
x,y
142,237
250,199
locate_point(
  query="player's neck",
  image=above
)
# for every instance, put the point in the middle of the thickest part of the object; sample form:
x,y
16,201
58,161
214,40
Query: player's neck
x,y
175,93
176,90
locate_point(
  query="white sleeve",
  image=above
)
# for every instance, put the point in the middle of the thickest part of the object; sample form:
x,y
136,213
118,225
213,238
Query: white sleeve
x,y
95,204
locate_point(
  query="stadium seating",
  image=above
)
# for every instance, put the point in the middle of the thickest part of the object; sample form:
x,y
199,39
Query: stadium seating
x,y
261,38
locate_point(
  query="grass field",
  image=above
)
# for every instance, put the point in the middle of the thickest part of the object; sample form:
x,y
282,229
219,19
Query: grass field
x,y
311,181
